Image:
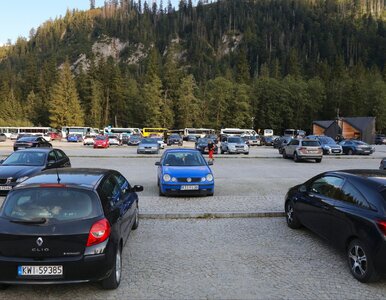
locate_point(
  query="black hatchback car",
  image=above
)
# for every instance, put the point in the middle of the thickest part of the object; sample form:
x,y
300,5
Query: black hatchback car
x,y
30,142
20,165
348,208
67,226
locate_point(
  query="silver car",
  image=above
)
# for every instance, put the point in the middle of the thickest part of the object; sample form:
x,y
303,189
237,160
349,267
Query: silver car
x,y
301,149
148,146
234,144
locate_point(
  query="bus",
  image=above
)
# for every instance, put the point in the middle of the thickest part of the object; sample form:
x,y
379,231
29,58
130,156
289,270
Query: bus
x,y
66,130
294,133
237,131
13,132
121,130
146,132
197,132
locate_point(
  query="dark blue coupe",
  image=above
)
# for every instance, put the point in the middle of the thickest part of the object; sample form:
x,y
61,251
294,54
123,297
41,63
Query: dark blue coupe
x,y
184,171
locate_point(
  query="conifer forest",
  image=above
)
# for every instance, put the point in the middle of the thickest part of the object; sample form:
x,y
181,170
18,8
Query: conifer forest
x,y
228,63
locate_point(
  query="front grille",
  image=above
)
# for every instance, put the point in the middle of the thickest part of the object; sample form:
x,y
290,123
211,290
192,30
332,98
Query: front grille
x,y
3,181
186,179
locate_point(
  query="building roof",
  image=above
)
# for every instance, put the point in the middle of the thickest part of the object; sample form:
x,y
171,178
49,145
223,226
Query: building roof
x,y
360,123
324,124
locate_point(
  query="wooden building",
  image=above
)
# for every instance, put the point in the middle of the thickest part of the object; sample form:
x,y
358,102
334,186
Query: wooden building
x,y
361,128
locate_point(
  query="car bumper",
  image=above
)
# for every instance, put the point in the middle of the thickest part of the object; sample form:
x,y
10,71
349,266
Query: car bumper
x,y
146,151
75,269
361,151
6,188
310,156
235,151
175,189
333,151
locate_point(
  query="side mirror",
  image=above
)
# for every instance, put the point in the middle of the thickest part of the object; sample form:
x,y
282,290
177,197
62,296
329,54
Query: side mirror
x,y
1,161
302,188
137,188
157,163
210,162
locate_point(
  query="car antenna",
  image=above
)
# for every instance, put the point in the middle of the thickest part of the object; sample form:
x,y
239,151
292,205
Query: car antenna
x,y
57,175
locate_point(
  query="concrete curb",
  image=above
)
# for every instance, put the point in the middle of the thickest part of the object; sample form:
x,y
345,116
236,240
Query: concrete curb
x,y
212,215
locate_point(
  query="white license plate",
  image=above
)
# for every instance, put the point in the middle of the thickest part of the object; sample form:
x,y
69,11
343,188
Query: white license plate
x,y
189,187
40,270
5,187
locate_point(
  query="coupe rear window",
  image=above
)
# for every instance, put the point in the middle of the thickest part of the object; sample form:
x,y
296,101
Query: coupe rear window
x,y
310,143
52,204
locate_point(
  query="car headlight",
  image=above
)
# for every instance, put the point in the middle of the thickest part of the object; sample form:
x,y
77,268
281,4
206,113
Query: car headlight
x,y
21,179
209,177
327,147
166,177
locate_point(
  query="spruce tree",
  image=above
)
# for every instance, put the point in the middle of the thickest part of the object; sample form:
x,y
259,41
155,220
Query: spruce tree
x,y
64,105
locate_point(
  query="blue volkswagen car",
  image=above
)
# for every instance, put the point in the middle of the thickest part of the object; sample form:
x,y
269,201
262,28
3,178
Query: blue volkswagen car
x,y
184,172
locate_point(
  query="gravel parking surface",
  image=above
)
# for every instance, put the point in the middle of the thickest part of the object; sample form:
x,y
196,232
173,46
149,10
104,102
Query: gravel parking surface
x,y
222,259
250,258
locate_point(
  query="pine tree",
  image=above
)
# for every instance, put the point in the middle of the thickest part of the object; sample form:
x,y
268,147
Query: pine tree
x,y
64,106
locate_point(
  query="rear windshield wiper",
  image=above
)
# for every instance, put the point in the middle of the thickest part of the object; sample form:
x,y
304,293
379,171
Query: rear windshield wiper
x,y
33,221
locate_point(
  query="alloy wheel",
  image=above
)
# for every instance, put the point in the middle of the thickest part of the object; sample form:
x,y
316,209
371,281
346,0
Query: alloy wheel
x,y
358,260
118,266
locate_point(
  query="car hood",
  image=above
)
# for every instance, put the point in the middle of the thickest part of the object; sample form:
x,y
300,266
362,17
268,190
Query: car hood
x,y
236,144
148,145
183,171
334,146
19,171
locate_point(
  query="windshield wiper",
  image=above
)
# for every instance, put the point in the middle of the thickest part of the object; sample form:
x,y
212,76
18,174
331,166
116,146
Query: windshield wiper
x,y
33,221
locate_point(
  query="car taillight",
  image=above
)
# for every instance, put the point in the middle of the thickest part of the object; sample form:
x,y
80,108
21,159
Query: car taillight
x,y
99,232
382,226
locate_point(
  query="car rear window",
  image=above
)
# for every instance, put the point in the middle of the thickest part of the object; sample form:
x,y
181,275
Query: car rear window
x,y
54,204
310,143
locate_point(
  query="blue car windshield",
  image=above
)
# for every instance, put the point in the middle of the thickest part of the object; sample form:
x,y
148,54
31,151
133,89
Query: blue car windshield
x,y
327,141
184,159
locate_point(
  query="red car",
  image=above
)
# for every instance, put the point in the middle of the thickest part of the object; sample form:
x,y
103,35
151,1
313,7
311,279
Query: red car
x,y
101,141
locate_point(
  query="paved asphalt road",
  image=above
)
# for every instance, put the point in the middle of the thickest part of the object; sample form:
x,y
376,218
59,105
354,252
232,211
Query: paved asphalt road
x,y
250,258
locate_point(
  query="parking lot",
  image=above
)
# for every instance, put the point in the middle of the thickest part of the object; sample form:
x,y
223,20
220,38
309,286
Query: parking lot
x,y
219,258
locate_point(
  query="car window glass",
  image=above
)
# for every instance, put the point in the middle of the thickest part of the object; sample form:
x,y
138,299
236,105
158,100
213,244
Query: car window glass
x,y
352,195
56,204
110,187
310,143
51,156
294,142
328,186
59,154
122,182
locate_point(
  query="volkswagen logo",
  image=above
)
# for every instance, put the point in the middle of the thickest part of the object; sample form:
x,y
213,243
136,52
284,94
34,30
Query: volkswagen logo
x,y
189,179
39,241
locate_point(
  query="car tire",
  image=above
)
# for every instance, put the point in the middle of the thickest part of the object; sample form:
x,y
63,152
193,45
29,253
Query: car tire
x,y
284,154
136,218
222,151
290,216
210,194
114,279
350,152
247,153
3,286
318,160
296,157
160,193
360,262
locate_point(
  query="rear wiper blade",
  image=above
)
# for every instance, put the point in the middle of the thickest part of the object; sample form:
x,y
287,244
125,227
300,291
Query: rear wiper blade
x,y
34,221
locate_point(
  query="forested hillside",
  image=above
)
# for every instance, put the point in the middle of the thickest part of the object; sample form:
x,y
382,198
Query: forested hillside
x,y
232,63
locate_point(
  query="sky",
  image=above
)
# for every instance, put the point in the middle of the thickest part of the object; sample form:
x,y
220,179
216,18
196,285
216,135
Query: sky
x,y
17,18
